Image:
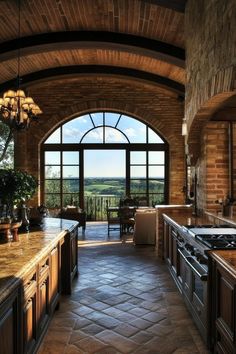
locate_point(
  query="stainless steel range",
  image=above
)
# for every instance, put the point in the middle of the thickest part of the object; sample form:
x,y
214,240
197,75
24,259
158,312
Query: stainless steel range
x,y
185,251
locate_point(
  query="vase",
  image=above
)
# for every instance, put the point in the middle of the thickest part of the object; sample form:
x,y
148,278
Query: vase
x,y
23,216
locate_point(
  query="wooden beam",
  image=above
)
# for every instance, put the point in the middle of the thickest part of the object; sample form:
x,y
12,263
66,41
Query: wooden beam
x,y
176,5
96,69
84,39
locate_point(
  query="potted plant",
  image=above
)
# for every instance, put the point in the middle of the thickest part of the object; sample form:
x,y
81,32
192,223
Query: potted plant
x,y
16,187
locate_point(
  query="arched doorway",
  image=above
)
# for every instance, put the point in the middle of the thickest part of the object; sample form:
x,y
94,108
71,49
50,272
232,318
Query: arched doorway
x,y
111,139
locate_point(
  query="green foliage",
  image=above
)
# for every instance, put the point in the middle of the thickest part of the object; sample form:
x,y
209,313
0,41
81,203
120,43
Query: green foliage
x,y
7,161
16,186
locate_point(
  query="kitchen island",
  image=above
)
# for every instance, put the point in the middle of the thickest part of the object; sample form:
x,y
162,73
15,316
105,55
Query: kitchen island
x,y
222,275
34,272
200,253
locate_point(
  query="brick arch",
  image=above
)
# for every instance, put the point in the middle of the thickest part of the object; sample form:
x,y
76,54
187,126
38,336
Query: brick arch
x,y
31,141
202,116
106,105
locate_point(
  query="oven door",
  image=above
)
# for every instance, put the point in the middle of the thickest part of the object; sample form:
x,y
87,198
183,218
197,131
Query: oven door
x,y
194,281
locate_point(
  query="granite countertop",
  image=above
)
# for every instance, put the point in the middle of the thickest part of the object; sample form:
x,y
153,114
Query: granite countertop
x,y
221,218
227,259
18,257
181,220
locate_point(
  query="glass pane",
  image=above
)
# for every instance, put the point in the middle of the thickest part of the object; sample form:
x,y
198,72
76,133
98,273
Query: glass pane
x,y
156,157
138,157
67,199
138,186
156,171
73,131
156,186
111,118
70,157
52,158
54,138
135,130
114,136
70,199
52,186
70,185
138,171
95,136
155,199
52,171
70,171
153,138
97,118
52,200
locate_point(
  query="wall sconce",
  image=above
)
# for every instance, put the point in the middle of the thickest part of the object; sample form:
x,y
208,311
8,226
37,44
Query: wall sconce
x,y
184,127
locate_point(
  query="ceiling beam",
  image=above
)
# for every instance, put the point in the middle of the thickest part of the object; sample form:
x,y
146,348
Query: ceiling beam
x,y
96,69
176,5
91,39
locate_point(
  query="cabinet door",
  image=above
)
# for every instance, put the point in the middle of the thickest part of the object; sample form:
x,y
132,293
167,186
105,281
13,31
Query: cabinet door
x,y
225,330
69,260
54,277
30,313
43,295
74,254
10,325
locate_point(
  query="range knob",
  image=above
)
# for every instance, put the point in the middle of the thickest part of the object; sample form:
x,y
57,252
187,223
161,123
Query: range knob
x,y
189,247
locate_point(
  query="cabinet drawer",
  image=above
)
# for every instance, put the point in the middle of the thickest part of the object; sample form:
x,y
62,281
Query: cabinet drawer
x,y
43,269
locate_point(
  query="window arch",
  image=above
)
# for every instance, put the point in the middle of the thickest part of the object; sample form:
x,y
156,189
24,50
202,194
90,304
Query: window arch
x,y
146,158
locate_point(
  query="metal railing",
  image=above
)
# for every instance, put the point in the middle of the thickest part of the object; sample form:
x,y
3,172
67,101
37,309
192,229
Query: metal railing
x,y
95,206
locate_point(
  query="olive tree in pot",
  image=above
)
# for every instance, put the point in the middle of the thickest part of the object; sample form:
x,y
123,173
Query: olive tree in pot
x,y
16,187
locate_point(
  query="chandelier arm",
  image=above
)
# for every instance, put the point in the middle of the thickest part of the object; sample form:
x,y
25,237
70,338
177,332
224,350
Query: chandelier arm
x,y
9,138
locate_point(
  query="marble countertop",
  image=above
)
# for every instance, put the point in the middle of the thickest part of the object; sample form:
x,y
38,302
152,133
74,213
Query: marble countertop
x,y
18,257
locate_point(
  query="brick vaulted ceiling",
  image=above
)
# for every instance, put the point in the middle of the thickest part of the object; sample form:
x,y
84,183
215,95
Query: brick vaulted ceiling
x,y
140,39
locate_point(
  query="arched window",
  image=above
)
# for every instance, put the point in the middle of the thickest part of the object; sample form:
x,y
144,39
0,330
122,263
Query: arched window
x,y
104,155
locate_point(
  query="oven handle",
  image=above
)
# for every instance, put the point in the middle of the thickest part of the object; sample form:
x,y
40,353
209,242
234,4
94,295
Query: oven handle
x,y
202,276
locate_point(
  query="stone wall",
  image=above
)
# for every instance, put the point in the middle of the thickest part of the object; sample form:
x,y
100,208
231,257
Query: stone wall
x,y
210,51
159,108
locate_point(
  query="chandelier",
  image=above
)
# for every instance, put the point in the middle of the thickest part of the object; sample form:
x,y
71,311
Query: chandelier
x,y
17,109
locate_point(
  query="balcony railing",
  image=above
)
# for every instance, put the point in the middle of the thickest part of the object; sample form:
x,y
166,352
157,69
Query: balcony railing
x,y
96,206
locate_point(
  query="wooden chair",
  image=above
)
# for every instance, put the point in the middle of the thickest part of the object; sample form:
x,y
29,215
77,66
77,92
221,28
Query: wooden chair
x,y
113,220
127,220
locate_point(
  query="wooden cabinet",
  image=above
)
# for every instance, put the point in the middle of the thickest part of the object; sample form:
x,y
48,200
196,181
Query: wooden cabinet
x,y
10,321
26,312
172,239
29,297
55,266
69,260
43,294
223,300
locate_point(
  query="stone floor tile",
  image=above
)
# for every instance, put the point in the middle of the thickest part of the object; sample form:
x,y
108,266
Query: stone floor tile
x,y
142,337
90,345
119,342
124,301
154,317
108,350
81,322
138,311
92,329
126,329
141,323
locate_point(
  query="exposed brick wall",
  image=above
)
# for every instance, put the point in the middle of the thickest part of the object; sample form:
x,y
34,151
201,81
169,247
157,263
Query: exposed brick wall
x,y
210,51
213,166
159,108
